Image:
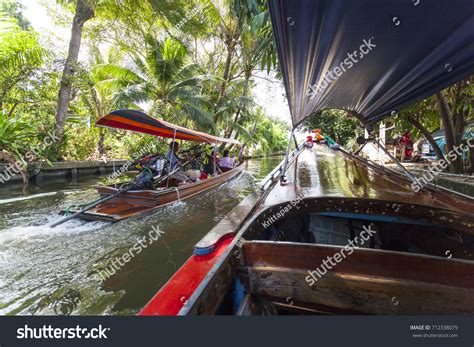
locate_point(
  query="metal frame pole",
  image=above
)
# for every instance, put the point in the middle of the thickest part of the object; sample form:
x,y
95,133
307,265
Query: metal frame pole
x,y
172,155
285,164
214,157
294,139
400,165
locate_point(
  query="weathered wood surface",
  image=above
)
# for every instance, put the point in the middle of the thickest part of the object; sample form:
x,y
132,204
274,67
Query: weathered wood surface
x,y
367,281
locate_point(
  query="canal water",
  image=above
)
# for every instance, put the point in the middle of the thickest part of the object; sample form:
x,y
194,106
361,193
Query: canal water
x,y
55,271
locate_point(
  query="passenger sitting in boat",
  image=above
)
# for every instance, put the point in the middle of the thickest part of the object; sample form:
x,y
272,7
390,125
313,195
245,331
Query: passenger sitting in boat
x,y
194,173
210,163
226,163
174,162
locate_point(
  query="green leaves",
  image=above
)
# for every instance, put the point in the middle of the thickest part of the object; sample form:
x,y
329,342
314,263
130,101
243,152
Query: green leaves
x,y
335,123
20,52
7,24
14,134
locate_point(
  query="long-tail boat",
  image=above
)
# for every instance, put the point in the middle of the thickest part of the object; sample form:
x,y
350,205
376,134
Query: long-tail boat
x,y
297,246
123,204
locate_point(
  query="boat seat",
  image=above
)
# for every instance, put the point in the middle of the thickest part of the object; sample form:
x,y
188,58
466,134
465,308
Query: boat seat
x,y
367,282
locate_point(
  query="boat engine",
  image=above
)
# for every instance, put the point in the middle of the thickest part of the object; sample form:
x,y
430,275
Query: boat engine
x,y
144,180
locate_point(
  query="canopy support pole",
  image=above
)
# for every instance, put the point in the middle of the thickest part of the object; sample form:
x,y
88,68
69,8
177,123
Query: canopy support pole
x,y
403,168
171,158
214,157
285,164
294,139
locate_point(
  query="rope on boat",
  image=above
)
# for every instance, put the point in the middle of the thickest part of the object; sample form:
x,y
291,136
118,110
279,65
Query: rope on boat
x,y
177,193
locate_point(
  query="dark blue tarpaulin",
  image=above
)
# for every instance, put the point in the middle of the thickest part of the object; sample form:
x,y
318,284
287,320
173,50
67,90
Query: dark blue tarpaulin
x,y
372,57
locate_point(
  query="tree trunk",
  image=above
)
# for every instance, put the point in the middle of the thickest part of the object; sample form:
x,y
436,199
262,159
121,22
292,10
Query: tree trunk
x,y
100,144
456,166
248,74
83,13
230,51
427,136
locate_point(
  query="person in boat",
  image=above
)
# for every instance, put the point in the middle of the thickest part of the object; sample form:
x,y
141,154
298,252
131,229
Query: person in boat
x,y
211,163
226,163
174,163
317,136
309,142
194,172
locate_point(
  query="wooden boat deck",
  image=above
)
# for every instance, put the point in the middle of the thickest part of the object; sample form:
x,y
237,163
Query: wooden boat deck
x,y
340,183
325,173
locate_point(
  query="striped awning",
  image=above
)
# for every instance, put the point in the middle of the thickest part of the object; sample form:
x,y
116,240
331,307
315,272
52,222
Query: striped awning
x,y
139,121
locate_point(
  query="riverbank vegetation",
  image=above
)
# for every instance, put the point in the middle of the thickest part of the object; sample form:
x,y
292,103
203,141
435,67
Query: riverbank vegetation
x,y
190,63
195,64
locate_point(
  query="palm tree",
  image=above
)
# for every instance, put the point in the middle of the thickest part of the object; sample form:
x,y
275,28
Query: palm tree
x,y
164,80
99,96
21,55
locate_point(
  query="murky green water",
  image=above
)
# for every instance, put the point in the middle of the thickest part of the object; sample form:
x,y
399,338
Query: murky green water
x,y
54,271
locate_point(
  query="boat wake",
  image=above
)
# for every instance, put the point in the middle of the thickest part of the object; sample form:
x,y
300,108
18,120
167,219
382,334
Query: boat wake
x,y
23,198
29,233
28,218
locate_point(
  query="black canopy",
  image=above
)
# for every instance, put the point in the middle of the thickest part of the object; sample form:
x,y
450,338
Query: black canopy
x,y
372,57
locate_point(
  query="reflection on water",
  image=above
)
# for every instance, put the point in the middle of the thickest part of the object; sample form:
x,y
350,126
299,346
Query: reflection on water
x,y
54,271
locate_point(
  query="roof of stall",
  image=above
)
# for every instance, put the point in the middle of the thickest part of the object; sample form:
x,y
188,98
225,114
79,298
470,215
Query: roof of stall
x,y
369,56
139,121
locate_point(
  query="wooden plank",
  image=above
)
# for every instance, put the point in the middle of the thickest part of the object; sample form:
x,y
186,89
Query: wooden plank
x,y
246,307
211,297
297,307
366,294
366,262
367,281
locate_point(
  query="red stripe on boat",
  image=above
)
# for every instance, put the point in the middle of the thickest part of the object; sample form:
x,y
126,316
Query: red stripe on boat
x,y
174,294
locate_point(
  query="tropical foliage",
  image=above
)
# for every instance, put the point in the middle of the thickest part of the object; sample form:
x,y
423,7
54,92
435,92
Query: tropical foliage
x,y
189,63
193,63
338,124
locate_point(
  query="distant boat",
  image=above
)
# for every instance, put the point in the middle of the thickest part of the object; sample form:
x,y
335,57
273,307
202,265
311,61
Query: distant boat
x,y
124,204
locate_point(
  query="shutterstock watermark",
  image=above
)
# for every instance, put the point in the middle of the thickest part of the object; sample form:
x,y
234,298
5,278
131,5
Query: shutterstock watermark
x,y
48,332
284,210
153,235
352,58
190,14
443,164
12,169
328,263
124,168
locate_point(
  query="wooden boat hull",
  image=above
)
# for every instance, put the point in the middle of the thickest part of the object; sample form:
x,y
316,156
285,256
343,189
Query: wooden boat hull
x,y
249,266
134,202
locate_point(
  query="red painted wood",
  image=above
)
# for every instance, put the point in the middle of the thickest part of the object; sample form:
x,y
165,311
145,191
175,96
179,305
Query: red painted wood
x,y
174,294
